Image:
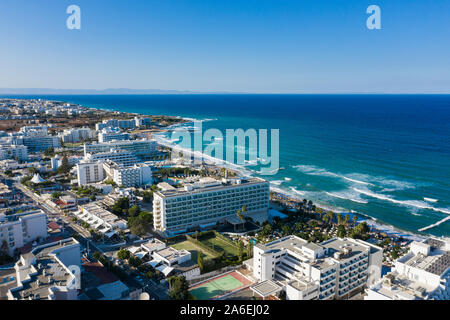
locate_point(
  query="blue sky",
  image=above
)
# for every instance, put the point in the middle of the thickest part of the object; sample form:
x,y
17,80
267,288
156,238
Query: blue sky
x,y
301,46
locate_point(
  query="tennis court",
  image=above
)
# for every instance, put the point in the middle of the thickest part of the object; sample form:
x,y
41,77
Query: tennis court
x,y
219,286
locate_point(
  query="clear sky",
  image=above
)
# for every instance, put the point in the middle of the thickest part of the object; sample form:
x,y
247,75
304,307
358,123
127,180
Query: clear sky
x,y
300,46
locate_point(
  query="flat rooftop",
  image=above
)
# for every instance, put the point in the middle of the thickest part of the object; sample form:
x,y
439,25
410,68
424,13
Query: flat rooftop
x,y
290,242
219,185
266,288
170,253
50,272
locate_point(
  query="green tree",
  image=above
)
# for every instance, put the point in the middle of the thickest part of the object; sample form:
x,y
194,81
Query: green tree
x,y
179,288
341,232
134,211
354,219
239,214
200,261
123,254
241,251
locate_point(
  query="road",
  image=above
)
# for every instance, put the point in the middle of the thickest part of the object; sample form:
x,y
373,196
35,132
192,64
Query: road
x,y
156,290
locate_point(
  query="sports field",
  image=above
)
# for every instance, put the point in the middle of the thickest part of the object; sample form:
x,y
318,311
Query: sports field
x,y
219,286
220,244
193,249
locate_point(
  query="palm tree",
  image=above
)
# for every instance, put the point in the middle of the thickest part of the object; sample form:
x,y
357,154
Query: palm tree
x,y
239,214
339,218
354,218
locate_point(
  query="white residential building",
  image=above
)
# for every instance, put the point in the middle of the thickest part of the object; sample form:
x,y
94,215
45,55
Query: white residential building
x,y
37,143
121,157
115,123
422,273
90,172
207,202
75,135
108,134
57,161
48,272
129,176
19,153
100,219
334,269
18,229
139,148
171,256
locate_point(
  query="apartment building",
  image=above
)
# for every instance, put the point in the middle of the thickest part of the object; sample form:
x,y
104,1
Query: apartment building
x,y
37,143
15,152
129,176
207,202
108,134
75,135
140,148
57,161
421,274
334,269
18,229
90,172
48,272
99,218
115,123
118,156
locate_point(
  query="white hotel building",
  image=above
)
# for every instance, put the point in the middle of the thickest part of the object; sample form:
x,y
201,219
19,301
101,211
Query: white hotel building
x,y
139,148
334,269
129,176
207,202
90,172
19,229
13,152
119,156
421,274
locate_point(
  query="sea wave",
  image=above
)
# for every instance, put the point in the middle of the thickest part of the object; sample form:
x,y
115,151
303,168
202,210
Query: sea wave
x,y
408,203
358,178
276,182
347,196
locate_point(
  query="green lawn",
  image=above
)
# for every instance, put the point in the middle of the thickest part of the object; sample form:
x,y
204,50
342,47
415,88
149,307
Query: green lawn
x,y
193,249
220,245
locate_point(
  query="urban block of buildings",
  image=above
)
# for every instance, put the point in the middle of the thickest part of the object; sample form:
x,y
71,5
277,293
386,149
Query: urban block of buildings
x,y
334,269
421,274
208,202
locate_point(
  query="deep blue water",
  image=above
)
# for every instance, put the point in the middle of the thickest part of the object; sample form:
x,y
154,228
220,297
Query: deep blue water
x,y
378,155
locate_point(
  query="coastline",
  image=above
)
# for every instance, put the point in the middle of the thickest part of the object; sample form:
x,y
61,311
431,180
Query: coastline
x,y
380,226
374,223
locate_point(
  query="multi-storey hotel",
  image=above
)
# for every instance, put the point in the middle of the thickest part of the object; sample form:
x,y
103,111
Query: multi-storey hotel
x,y
37,143
119,156
90,172
18,229
140,148
129,176
207,202
13,152
334,269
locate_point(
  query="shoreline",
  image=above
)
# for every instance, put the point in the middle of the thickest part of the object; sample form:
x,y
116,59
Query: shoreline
x,y
380,226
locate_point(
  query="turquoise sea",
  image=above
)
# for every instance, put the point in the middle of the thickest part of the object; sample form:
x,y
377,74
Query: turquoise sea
x,y
382,156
